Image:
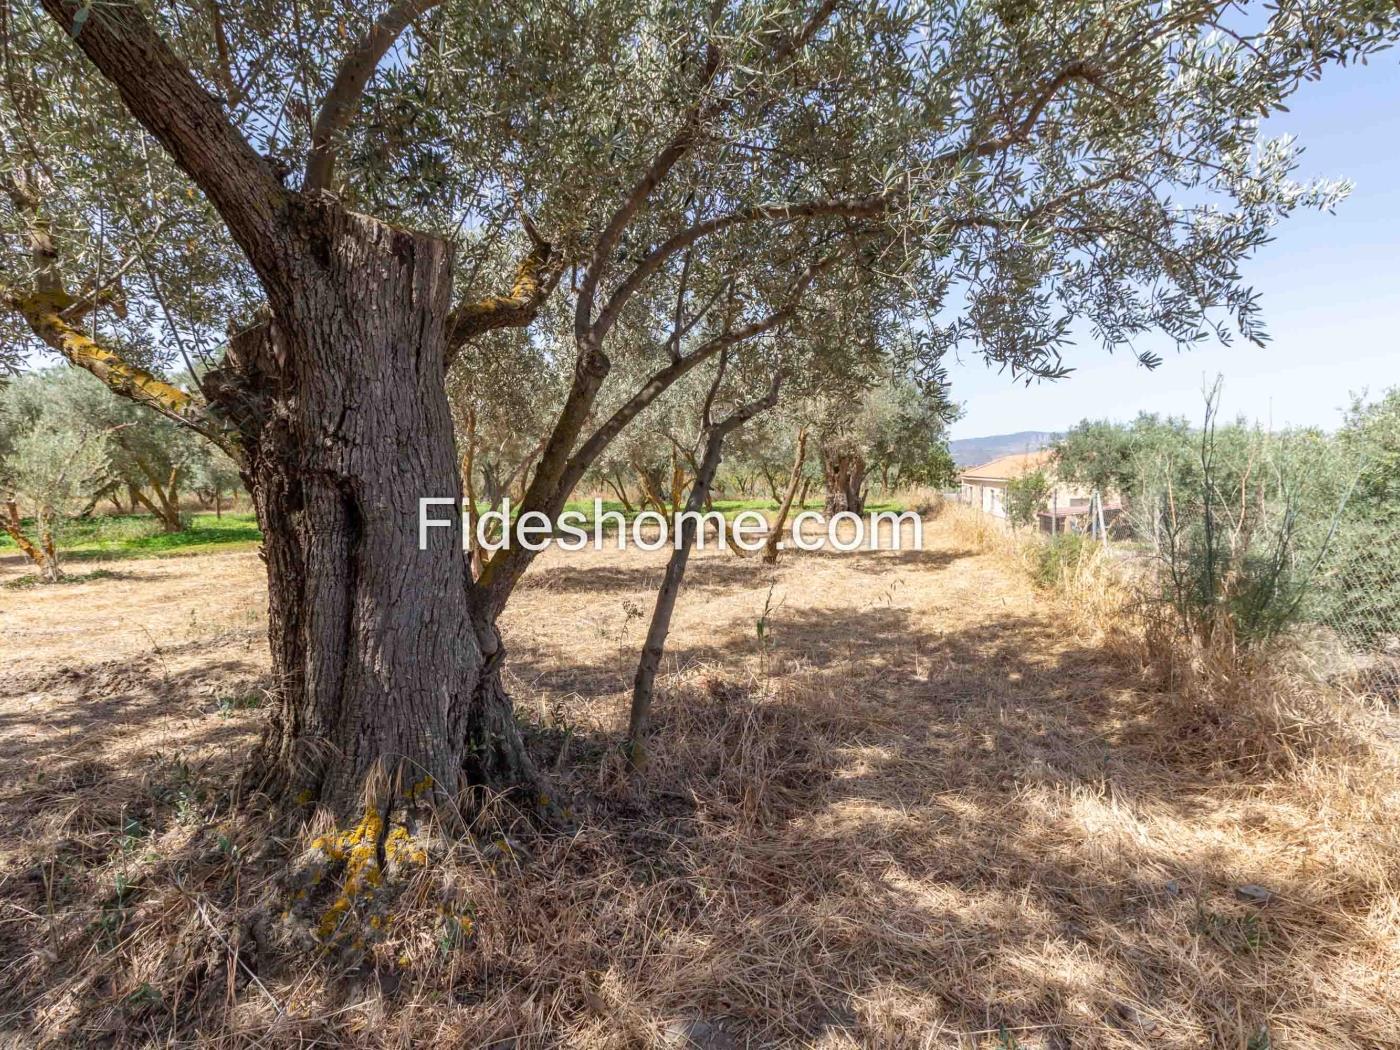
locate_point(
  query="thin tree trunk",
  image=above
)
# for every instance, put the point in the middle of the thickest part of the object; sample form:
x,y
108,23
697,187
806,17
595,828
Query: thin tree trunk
x,y
173,523
677,481
168,513
643,683
620,490
38,553
654,648
50,550
770,549
772,485
650,482
97,497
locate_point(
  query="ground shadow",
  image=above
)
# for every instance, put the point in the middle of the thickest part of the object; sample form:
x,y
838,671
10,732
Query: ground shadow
x,y
881,834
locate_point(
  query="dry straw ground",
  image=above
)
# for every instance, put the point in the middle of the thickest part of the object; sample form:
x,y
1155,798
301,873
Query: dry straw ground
x,y
925,807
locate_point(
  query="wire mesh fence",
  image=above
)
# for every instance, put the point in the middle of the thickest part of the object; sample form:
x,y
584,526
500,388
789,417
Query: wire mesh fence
x,y
1359,602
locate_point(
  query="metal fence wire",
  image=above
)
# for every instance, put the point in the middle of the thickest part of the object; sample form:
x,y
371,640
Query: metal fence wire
x,y
1359,602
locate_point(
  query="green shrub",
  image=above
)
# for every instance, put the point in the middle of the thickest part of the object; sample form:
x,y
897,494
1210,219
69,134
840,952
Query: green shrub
x,y
1025,496
1058,558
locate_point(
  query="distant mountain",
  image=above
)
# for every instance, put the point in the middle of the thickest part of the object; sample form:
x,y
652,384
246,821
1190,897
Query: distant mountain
x,y
969,452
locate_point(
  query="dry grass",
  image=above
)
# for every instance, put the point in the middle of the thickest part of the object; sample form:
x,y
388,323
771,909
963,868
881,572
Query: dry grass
x,y
929,808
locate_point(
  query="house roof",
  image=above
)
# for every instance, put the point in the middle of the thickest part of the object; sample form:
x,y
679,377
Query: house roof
x,y
1004,468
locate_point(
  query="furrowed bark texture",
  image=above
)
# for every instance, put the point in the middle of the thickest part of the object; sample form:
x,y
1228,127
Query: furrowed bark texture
x,y
844,473
385,656
383,660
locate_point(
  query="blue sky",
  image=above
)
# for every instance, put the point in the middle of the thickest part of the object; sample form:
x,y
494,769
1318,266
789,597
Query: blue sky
x,y
1330,287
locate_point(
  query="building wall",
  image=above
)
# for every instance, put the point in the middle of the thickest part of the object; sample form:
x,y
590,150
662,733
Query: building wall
x,y
987,496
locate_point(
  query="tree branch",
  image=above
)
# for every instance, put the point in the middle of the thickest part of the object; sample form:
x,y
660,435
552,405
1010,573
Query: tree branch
x,y
1076,70
660,166
535,279
855,208
163,95
744,413
664,162
43,312
348,87
550,488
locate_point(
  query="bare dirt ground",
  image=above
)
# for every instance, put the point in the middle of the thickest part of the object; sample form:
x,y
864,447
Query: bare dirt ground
x,y
918,809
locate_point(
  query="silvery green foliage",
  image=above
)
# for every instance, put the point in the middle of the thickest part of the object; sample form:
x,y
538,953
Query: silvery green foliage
x,y
138,444
51,467
1029,163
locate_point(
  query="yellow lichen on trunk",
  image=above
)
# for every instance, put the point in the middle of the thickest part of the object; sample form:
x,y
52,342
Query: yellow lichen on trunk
x,y
499,310
362,854
12,525
43,311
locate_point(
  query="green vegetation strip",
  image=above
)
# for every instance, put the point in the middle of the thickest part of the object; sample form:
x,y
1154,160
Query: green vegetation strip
x,y
140,536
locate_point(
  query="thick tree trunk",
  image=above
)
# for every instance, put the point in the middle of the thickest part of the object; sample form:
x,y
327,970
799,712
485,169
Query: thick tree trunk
x,y
387,668
651,482
844,472
775,533
492,488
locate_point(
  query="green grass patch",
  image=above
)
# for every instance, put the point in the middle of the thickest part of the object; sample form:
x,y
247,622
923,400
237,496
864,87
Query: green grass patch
x,y
140,535
1058,558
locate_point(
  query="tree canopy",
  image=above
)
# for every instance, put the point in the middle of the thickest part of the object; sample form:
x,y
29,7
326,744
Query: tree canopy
x,y
1049,162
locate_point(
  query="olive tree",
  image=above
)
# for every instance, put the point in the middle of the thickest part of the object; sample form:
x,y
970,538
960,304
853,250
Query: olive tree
x,y
323,213
47,468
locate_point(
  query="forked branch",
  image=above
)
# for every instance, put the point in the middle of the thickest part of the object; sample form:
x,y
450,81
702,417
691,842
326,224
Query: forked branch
x,y
348,87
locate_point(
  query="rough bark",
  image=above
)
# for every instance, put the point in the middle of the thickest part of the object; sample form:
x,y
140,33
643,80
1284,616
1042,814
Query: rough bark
x,y
387,666
843,469
775,534
386,658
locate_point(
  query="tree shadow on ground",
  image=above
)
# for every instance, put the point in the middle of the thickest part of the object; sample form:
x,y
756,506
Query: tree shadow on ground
x,y
859,831
96,731
978,831
702,574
